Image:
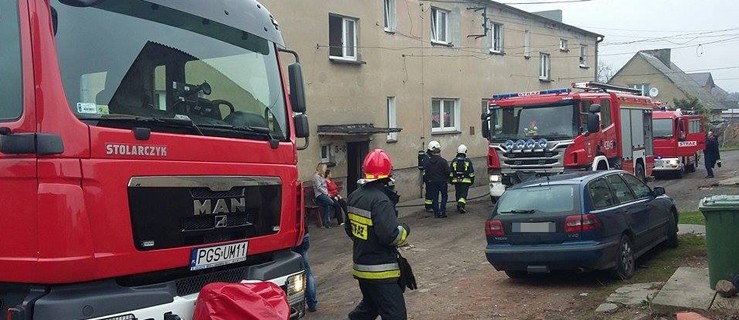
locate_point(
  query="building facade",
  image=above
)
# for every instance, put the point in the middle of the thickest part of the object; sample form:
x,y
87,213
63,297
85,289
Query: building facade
x,y
422,68
657,76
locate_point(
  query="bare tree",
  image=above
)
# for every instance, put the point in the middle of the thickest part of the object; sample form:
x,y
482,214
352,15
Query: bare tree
x,y
605,72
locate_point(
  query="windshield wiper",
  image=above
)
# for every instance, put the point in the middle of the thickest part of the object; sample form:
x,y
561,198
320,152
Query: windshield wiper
x,y
176,122
527,211
263,131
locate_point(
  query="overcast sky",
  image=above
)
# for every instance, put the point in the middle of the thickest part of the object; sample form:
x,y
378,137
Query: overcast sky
x,y
703,35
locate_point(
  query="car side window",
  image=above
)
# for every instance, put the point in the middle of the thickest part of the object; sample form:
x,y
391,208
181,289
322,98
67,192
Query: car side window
x,y
600,194
11,88
640,189
620,189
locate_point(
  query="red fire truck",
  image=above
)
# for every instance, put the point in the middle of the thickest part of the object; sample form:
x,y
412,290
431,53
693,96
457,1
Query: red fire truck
x,y
596,127
147,148
678,140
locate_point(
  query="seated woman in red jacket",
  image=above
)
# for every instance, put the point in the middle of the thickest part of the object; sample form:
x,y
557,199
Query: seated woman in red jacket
x,y
339,202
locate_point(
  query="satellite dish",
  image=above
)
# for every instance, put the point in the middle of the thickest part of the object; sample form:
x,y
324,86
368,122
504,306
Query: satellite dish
x,y
653,92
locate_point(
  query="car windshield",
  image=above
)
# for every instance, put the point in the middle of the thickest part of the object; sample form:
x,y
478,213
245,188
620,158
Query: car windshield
x,y
662,128
552,121
128,63
539,199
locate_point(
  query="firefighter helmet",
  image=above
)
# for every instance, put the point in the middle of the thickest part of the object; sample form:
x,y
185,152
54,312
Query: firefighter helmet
x,y
377,165
434,145
462,149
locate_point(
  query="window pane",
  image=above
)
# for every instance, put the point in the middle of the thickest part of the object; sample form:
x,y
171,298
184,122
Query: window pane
x,y
334,36
449,113
387,13
640,189
442,26
435,114
605,113
434,34
349,39
11,89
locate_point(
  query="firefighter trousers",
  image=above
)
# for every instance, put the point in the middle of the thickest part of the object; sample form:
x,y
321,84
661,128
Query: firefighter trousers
x,y
380,298
460,193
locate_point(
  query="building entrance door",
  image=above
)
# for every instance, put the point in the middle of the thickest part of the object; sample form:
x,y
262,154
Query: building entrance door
x,y
355,153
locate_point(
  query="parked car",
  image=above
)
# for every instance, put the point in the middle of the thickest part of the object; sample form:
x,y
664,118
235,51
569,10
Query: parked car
x,y
595,220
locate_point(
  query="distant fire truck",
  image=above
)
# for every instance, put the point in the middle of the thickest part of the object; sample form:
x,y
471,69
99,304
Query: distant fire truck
x,y
598,127
678,141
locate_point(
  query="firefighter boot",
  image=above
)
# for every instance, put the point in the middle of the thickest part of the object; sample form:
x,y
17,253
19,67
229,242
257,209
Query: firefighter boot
x,y
460,208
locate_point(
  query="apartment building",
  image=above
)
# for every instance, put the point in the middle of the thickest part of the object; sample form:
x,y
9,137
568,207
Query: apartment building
x,y
395,75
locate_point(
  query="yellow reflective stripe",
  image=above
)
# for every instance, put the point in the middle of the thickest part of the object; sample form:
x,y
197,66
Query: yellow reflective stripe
x,y
462,200
359,219
466,180
376,275
400,239
428,201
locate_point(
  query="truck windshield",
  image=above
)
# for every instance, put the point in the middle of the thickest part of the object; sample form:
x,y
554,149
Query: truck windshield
x,y
663,128
555,121
133,64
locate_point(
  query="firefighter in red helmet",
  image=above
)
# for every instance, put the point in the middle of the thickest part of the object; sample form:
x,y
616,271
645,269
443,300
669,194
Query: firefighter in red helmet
x,y
376,233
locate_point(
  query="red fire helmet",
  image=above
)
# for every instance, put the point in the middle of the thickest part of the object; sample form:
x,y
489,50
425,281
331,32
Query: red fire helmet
x,y
377,165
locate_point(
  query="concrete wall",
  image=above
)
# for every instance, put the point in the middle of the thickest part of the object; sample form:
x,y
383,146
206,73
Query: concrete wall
x,y
406,65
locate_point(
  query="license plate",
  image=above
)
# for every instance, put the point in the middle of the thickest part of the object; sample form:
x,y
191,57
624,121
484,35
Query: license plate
x,y
534,227
209,257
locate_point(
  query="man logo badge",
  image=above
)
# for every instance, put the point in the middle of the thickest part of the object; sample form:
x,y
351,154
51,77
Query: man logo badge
x,y
221,221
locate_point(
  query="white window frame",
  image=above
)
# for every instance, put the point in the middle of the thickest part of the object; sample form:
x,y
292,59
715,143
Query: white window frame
x,y
563,45
445,103
345,50
325,153
392,120
527,44
496,39
644,87
545,67
436,15
583,55
390,20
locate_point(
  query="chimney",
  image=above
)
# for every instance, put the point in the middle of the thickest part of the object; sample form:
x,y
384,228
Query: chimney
x,y
661,54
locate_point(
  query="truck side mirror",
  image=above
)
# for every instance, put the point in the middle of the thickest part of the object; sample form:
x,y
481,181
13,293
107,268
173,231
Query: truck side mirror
x,y
485,131
593,123
297,91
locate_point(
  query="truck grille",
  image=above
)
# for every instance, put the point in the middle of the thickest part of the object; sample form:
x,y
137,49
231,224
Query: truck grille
x,y
169,212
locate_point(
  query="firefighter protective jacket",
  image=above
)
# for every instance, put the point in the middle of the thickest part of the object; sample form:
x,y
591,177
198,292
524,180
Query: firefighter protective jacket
x,y
461,170
374,228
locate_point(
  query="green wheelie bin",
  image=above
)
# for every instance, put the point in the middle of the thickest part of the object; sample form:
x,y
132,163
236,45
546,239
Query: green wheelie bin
x,y
722,237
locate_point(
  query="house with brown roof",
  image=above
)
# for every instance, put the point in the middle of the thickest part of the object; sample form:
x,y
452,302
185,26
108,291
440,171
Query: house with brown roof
x,y
657,76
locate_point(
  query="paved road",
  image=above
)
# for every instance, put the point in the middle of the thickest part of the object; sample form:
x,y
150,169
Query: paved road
x,y
456,281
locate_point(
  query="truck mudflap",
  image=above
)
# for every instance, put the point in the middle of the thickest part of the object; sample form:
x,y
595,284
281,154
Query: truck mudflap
x,y
173,299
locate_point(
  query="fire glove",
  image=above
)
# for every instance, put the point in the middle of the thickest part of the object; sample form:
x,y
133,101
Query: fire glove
x,y
407,279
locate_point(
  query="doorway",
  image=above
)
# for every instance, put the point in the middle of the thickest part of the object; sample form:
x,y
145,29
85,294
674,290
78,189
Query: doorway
x,y
355,153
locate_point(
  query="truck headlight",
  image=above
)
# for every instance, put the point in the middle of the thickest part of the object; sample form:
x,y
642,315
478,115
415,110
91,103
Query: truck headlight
x,y
296,284
494,178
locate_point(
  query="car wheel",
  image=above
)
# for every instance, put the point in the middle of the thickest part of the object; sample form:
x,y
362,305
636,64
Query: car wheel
x,y
640,173
672,239
517,274
625,262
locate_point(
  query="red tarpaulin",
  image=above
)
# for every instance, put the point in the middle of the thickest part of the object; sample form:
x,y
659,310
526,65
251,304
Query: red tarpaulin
x,y
229,301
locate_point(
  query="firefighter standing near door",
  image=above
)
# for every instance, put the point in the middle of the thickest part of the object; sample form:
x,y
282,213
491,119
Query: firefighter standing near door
x,y
376,232
462,176
428,201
